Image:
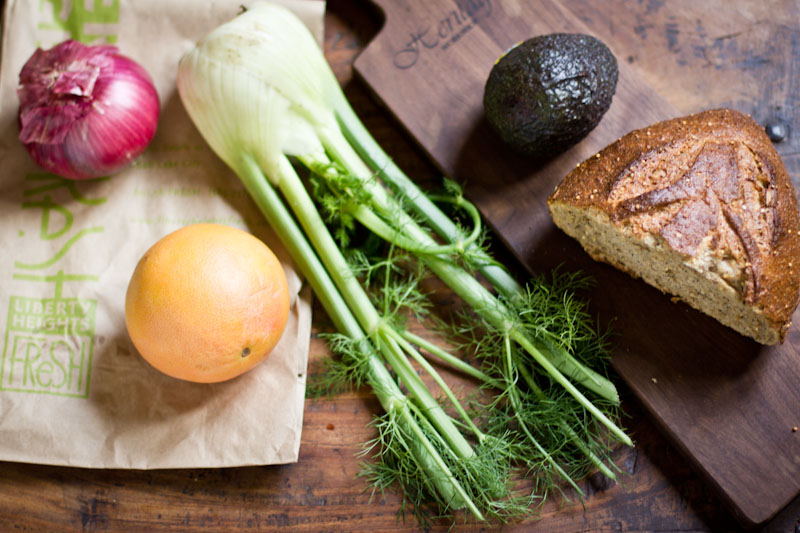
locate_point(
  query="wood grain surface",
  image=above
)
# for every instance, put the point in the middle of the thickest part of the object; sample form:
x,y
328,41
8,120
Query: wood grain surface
x,y
728,402
660,490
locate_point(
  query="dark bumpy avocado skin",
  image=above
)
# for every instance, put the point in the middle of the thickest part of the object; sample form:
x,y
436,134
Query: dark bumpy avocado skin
x,y
547,93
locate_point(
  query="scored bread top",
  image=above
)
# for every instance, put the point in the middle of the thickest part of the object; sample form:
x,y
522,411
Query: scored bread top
x,y
712,186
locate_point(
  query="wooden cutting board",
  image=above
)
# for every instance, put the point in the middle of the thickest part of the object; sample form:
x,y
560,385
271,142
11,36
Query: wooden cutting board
x,y
727,402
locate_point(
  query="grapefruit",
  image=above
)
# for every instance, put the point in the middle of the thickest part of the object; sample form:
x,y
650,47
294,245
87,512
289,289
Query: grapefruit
x,y
207,303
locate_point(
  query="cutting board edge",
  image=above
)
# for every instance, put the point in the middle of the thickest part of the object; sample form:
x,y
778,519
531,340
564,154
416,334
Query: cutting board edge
x,y
747,518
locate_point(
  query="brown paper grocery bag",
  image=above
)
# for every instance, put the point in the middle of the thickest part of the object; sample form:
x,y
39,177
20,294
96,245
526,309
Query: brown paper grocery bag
x,y
73,390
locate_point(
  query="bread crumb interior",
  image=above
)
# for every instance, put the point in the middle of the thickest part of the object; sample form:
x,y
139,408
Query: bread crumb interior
x,y
654,261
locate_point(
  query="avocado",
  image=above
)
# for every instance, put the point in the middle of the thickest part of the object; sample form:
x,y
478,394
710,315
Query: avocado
x,y
547,93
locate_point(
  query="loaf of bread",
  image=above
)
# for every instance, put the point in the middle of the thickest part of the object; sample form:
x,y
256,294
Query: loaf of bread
x,y
700,207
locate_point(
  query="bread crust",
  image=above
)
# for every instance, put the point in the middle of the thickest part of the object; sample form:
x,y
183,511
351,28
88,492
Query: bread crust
x,y
709,185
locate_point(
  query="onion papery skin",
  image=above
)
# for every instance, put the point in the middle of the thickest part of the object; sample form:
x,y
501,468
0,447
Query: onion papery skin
x,y
85,111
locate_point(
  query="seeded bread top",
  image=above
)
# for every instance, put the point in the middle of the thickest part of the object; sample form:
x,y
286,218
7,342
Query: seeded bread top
x,y
711,187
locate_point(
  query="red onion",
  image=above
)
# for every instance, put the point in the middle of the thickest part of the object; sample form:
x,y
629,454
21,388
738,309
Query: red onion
x,y
85,111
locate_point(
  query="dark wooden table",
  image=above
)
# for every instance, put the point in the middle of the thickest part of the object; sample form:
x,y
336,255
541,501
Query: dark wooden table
x,y
697,55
